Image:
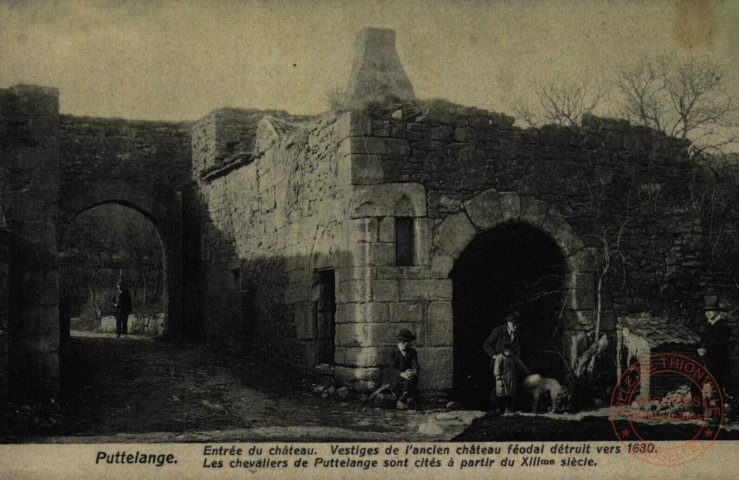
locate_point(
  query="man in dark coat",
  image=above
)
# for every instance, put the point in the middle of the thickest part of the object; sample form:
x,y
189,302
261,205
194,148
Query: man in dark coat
x,y
123,309
404,360
714,348
501,335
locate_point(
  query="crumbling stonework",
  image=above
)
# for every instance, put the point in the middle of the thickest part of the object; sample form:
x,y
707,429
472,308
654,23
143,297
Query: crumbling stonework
x,y
275,221
138,164
457,172
279,232
53,168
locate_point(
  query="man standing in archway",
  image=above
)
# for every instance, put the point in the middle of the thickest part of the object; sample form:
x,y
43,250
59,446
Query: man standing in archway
x,y
714,347
122,310
503,336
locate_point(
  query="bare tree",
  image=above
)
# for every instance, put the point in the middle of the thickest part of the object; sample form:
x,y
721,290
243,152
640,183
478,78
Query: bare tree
x,y
560,103
683,98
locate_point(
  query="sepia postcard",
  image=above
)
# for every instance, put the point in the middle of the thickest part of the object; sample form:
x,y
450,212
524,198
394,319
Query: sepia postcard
x,y
339,239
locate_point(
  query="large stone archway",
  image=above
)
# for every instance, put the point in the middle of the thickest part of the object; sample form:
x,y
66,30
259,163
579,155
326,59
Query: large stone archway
x,y
489,209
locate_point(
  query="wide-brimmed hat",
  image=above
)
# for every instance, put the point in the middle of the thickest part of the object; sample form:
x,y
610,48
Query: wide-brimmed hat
x,y
406,335
514,317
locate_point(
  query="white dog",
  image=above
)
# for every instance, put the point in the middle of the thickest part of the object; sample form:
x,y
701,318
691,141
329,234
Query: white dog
x,y
536,385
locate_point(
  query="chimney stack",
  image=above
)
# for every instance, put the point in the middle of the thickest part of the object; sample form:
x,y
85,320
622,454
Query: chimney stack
x,y
377,74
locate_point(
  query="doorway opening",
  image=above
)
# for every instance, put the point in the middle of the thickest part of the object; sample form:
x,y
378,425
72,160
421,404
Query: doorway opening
x,y
326,317
512,266
101,247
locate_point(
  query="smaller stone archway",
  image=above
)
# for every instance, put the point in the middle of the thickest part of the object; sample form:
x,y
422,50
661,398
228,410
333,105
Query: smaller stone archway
x,y
74,205
491,209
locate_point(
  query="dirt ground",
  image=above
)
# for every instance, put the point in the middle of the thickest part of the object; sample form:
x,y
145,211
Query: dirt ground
x,y
141,390
588,427
137,389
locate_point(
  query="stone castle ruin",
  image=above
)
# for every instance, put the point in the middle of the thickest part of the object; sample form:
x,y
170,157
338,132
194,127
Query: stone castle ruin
x,y
311,241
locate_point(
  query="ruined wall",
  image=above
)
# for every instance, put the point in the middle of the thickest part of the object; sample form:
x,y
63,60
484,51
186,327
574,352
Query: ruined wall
x,y
328,194
273,217
472,170
139,164
602,176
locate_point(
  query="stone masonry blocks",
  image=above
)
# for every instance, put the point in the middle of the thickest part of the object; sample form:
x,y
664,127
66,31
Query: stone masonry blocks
x,y
362,146
305,320
454,234
366,356
390,199
387,229
439,324
354,123
533,211
510,205
441,265
584,291
429,290
366,169
558,227
484,210
374,334
437,368
364,312
347,375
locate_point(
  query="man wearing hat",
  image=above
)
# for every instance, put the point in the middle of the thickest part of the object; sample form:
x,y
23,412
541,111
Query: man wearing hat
x,y
714,347
404,359
503,334
500,338
123,309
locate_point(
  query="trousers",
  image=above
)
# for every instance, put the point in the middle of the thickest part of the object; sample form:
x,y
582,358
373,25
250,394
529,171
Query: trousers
x,y
121,324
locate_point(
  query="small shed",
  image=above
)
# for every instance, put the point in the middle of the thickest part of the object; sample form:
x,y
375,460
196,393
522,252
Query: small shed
x,y
644,334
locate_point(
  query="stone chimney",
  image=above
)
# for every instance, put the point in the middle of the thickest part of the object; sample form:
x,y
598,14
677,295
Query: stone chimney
x,y
377,73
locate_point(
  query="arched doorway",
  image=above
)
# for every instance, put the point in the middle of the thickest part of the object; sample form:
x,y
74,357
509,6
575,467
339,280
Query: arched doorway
x,y
102,245
510,266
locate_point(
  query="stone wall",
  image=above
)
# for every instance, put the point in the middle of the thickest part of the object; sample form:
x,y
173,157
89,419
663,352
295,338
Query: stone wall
x,y
272,220
52,168
143,165
137,163
460,171
30,118
601,176
326,194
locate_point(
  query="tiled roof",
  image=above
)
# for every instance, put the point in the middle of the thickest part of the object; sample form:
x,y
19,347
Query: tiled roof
x,y
659,330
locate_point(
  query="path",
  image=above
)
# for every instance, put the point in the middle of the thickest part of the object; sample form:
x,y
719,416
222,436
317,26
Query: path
x,y
140,390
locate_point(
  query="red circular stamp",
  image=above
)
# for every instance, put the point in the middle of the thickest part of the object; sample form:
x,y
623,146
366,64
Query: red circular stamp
x,y
667,389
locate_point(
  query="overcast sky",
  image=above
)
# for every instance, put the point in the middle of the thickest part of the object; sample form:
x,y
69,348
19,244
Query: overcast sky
x,y
179,60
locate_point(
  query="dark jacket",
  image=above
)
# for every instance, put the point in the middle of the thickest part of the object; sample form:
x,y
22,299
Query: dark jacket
x,y
410,361
498,337
716,342
400,363
123,302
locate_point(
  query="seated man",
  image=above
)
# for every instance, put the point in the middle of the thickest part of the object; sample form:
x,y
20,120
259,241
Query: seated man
x,y
400,378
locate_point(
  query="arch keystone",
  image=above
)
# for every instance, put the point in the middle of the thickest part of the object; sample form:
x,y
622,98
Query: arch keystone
x,y
510,205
